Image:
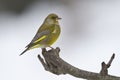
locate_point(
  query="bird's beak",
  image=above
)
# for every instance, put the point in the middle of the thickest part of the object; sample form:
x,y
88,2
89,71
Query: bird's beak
x,y
59,18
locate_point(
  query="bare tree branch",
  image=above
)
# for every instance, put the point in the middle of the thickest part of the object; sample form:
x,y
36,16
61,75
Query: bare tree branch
x,y
104,70
54,64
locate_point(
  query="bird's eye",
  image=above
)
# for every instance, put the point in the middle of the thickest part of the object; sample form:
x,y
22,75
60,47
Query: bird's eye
x,y
54,17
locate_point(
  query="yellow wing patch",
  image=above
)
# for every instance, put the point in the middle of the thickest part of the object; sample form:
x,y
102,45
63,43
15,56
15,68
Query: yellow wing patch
x,y
43,37
36,46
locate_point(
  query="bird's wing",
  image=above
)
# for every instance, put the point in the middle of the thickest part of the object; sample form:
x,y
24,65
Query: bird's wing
x,y
42,32
39,36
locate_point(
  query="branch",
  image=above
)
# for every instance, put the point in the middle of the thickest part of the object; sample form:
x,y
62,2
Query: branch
x,y
104,70
54,64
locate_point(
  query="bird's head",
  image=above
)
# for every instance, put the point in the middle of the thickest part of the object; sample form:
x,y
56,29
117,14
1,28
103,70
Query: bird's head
x,y
52,19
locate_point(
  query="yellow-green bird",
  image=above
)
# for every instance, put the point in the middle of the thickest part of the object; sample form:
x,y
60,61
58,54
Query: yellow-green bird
x,y
47,34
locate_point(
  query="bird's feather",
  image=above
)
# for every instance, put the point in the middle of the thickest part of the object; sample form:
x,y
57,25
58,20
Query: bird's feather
x,y
24,51
41,35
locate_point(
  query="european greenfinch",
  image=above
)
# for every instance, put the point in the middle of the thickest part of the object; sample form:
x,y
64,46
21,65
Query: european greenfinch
x,y
47,34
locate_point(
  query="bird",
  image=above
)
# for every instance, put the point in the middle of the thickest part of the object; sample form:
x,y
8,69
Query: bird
x,y
47,33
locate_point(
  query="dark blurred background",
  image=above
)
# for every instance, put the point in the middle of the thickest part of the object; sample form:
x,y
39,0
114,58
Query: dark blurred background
x,y
15,6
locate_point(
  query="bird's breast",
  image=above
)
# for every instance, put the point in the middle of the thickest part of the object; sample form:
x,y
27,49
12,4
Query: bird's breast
x,y
56,29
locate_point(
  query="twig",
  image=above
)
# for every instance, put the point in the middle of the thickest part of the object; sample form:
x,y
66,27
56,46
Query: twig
x,y
104,70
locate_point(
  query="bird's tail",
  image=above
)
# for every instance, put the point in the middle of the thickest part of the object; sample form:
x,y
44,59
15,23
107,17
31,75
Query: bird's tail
x,y
24,51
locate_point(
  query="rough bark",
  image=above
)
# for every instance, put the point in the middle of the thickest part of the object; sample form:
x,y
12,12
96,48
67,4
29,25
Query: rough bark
x,y
56,65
